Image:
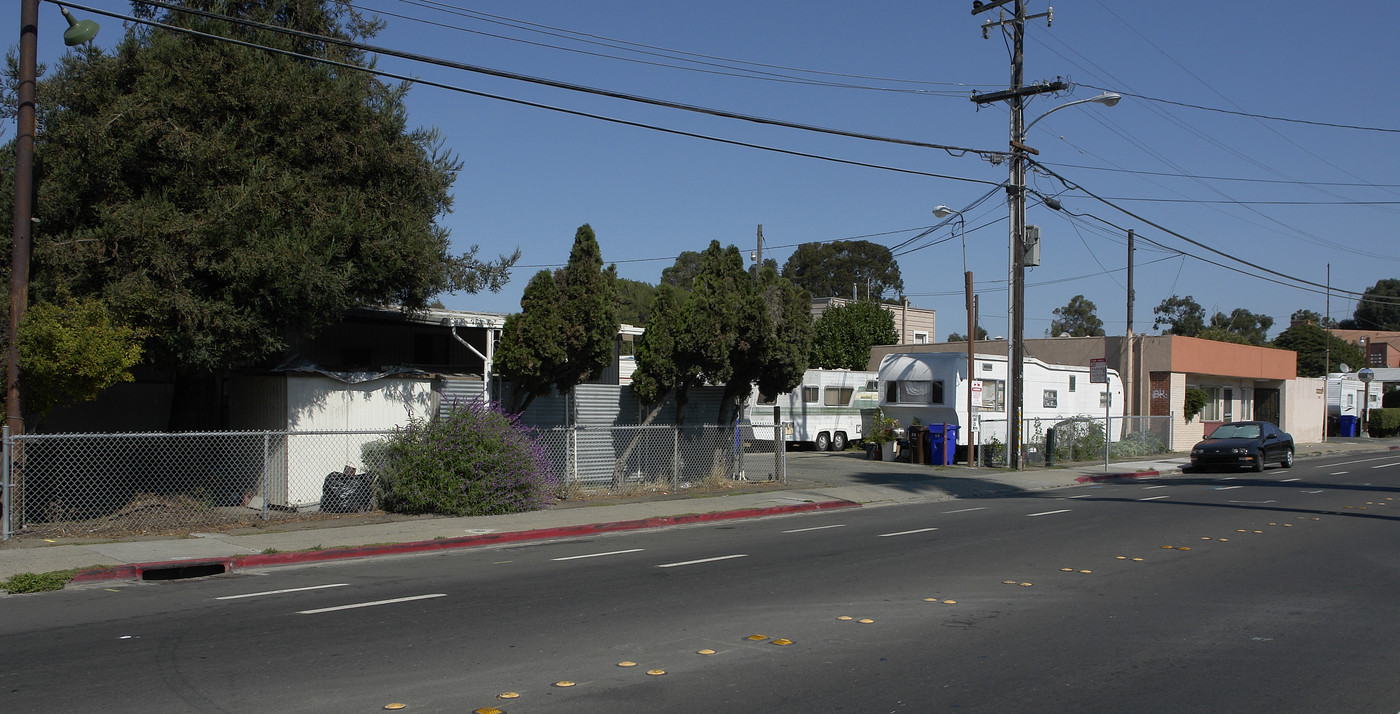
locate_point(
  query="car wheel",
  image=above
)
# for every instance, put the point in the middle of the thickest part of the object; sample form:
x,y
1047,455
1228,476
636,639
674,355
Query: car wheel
x,y
1259,460
1287,459
838,441
823,442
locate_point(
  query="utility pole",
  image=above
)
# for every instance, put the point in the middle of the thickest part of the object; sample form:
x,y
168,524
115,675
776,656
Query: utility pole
x,y
24,206
1129,379
971,373
1327,360
758,254
1016,202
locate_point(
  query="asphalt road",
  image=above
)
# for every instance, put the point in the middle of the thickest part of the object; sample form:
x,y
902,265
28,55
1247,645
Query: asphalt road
x,y
1270,592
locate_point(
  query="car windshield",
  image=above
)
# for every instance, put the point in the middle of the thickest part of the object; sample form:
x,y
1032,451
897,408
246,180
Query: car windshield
x,y
1236,431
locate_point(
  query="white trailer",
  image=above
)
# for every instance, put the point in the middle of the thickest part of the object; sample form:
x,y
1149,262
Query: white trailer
x,y
825,411
932,386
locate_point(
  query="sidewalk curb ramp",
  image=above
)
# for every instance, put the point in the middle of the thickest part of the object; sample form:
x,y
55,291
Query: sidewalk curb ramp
x,y
200,567
1098,478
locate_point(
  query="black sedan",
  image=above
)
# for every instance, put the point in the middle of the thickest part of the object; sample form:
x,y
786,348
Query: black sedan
x,y
1243,444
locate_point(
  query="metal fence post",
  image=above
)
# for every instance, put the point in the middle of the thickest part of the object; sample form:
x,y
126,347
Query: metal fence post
x,y
676,458
5,481
266,474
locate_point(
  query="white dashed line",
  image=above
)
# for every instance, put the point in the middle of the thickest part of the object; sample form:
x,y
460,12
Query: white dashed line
x,y
1047,513
1227,488
279,592
1145,488
1385,466
1290,479
1339,473
967,510
599,555
921,530
817,528
1153,498
370,604
702,560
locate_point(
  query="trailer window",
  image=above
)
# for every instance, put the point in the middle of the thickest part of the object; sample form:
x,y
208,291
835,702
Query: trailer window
x,y
914,391
839,396
1052,399
993,391
810,394
766,401
1071,383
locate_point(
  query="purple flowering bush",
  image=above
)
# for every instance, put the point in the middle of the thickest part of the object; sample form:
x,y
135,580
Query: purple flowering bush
x,y
475,461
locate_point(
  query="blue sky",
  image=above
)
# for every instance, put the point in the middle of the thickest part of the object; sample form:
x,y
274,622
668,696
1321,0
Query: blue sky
x,y
1304,195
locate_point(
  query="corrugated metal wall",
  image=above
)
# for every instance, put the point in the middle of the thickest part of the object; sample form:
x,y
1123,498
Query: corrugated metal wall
x,y
458,390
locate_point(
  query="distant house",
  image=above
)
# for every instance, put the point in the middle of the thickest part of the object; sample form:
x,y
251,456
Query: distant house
x,y
1381,347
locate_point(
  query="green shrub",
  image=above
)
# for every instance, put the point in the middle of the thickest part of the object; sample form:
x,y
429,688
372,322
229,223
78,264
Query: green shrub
x,y
37,582
475,461
1137,443
1195,401
1383,422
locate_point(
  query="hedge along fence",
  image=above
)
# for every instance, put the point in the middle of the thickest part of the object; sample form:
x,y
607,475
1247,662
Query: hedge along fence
x,y
1383,422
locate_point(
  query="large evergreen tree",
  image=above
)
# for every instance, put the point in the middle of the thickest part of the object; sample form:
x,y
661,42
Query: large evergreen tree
x,y
1077,318
834,269
222,199
567,327
1379,307
1179,316
1311,344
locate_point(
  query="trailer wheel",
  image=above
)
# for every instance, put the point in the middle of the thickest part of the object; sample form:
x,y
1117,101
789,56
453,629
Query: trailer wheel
x,y
838,441
823,441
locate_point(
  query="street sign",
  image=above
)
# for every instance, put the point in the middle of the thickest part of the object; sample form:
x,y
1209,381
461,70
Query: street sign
x,y
1098,370
976,392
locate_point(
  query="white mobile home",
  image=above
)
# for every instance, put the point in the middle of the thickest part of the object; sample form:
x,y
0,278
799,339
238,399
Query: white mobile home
x,y
825,411
932,387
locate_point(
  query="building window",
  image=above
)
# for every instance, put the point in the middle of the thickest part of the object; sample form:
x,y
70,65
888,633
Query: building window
x,y
838,396
1103,400
1228,404
993,391
810,395
1071,382
914,391
986,366
920,338
625,346
765,401
1211,411
1052,399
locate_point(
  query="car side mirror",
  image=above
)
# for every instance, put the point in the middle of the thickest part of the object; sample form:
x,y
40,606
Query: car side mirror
x,y
1270,436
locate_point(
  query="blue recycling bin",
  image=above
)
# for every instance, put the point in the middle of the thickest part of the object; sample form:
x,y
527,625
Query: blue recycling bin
x,y
942,444
1348,426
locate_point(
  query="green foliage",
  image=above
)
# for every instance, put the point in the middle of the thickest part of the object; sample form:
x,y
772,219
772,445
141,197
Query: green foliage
x,y
567,327
881,428
832,269
1310,342
1077,318
1383,422
224,198
1137,443
1311,317
731,329
1179,316
1220,334
1194,401
20,583
73,351
1252,328
960,337
682,273
1379,308
634,300
476,461
844,334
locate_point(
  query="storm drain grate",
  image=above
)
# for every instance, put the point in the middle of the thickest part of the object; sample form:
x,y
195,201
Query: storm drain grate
x,y
181,572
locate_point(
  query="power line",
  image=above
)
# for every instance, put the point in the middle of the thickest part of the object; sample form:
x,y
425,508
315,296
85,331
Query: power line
x,y
542,81
522,102
1251,115
1170,174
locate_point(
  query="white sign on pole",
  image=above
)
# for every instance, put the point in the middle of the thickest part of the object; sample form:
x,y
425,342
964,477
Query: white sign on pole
x,y
1098,370
976,392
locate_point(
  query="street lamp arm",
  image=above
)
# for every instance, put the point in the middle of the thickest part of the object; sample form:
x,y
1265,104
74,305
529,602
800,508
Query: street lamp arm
x,y
1107,99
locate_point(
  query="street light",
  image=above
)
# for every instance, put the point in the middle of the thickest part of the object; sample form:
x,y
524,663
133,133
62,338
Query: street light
x,y
1016,198
944,212
79,31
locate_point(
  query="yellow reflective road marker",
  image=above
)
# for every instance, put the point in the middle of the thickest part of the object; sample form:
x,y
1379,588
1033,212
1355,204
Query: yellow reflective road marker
x,y
950,602
627,663
1024,585
508,695
1137,560
1067,570
782,642
706,652
564,683
395,705
1182,547
845,617
1086,572
867,621
487,710
656,672
1120,557
757,638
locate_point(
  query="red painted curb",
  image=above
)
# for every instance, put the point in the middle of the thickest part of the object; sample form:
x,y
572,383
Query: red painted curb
x,y
1096,478
134,571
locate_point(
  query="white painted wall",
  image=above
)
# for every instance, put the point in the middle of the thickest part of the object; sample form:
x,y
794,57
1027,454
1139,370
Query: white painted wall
x,y
1304,401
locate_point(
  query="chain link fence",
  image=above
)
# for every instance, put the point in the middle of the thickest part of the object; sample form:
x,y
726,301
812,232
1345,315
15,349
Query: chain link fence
x,y
1050,442
108,485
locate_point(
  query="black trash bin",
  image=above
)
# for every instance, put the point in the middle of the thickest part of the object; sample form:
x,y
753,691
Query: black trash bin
x,y
346,493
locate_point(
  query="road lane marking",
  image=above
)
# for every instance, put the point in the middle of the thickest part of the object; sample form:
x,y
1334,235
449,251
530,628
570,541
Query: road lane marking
x,y
371,604
921,530
1146,488
1047,513
1082,495
1362,461
1386,466
1291,479
816,528
1226,488
1153,498
599,555
1317,491
967,510
702,560
279,592
1339,473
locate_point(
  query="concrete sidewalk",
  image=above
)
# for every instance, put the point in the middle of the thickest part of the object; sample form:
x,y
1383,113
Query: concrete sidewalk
x,y
853,482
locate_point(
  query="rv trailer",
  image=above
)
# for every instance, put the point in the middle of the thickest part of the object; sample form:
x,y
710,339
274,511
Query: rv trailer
x,y
932,387
825,411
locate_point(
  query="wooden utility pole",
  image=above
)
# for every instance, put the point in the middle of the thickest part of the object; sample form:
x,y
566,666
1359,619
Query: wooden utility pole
x,y
1129,380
